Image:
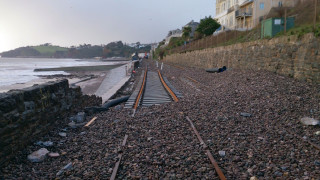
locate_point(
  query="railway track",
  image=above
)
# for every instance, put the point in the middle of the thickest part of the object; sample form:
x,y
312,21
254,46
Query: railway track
x,y
154,90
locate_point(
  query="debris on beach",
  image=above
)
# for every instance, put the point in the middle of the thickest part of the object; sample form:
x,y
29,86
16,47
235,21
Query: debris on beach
x,y
65,168
309,121
216,70
38,156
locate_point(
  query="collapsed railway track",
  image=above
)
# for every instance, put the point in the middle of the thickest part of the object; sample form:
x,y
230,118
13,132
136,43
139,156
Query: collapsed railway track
x,y
154,90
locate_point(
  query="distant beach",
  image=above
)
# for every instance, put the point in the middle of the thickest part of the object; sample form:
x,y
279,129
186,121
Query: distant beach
x,y
18,73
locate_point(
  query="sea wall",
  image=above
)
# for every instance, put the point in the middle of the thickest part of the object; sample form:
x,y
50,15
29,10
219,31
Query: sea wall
x,y
289,55
31,112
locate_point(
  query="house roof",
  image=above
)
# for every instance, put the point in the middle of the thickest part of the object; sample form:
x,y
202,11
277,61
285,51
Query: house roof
x,y
192,23
246,2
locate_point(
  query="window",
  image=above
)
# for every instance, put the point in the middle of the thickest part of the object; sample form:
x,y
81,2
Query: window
x,y
280,4
261,5
231,21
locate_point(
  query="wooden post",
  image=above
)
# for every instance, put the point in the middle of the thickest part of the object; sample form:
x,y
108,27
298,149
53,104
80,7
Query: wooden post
x,y
285,20
315,15
218,39
206,42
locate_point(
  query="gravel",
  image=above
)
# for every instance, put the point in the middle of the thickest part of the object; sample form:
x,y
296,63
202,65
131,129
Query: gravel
x,y
162,144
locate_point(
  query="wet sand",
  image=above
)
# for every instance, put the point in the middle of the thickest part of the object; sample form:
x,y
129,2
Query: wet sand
x,y
89,78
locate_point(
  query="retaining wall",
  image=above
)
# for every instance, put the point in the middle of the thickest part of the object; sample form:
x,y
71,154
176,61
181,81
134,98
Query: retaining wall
x,y
288,55
31,112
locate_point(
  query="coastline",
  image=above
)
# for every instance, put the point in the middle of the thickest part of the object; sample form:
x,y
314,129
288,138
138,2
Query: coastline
x,y
88,78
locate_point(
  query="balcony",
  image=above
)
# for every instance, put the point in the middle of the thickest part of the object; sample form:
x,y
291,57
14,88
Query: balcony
x,y
243,13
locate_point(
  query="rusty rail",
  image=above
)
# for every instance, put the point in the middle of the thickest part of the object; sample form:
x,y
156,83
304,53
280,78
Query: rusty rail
x,y
141,90
116,167
305,140
197,81
174,97
208,153
179,67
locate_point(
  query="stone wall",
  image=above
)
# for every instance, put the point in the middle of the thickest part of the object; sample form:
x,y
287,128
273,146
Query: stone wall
x,y
31,112
288,55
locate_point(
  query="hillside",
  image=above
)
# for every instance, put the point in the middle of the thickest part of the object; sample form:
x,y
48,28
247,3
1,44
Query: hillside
x,y
46,50
49,50
113,49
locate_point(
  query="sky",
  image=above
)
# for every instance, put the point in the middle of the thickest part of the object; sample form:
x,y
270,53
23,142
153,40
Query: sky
x,y
96,22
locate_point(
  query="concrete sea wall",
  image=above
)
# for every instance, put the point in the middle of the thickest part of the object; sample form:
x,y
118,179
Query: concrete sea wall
x,y
31,112
289,55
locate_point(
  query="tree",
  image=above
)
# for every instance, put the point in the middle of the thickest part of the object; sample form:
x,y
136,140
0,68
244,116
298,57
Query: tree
x,y
138,45
207,26
186,32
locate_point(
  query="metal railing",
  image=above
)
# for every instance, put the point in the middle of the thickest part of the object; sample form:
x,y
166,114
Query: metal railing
x,y
244,12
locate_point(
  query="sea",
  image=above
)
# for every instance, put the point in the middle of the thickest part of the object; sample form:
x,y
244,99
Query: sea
x,y
21,70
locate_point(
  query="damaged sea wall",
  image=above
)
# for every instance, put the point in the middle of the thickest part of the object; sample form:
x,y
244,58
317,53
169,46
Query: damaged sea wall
x,y
289,55
31,112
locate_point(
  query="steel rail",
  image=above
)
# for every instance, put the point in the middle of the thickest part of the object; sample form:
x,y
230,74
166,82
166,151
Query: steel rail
x,y
116,167
197,81
308,141
141,90
208,153
174,97
179,67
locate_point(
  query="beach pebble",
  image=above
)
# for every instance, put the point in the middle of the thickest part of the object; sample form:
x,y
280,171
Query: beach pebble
x,y
48,143
244,114
72,125
38,156
309,121
80,117
62,134
222,153
118,108
52,154
39,143
278,174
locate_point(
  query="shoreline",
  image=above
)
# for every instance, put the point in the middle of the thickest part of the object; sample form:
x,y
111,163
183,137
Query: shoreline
x,y
87,77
